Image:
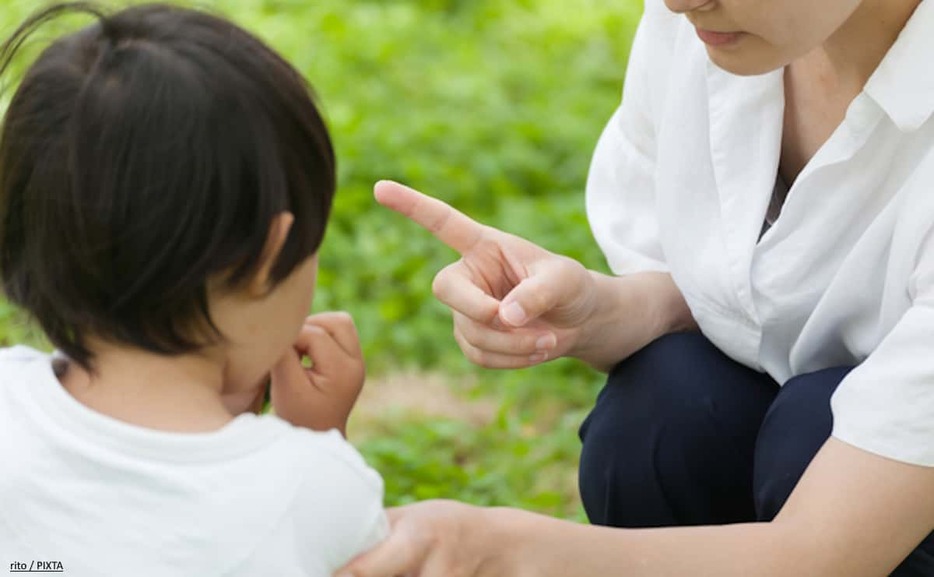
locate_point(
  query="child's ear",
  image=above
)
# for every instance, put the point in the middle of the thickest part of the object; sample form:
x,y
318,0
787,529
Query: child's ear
x,y
279,228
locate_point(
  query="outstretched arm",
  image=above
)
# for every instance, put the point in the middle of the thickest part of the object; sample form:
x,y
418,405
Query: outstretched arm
x,y
516,304
853,514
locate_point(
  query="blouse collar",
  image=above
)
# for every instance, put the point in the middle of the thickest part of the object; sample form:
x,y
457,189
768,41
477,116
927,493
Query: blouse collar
x,y
903,84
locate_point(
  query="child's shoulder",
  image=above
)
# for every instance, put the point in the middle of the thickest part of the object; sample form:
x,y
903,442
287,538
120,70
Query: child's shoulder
x,y
15,358
20,353
326,489
325,451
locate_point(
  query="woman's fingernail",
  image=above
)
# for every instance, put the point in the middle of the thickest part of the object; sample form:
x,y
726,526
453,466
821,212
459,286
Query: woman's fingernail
x,y
546,342
513,314
538,358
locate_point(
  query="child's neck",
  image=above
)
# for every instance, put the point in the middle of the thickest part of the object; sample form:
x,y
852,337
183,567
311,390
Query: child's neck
x,y
178,394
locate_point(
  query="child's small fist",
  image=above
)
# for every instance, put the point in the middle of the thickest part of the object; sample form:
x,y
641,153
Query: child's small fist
x,y
320,393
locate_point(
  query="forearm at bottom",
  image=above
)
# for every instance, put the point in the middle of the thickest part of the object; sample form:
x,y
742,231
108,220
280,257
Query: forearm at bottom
x,y
544,547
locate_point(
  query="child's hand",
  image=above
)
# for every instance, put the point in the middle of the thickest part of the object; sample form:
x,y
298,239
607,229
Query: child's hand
x,y
321,396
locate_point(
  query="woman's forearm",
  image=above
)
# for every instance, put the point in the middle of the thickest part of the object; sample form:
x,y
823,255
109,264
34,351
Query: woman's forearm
x,y
630,312
853,514
544,547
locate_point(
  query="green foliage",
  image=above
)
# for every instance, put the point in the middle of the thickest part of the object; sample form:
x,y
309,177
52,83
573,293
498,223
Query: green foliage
x,y
506,463
493,106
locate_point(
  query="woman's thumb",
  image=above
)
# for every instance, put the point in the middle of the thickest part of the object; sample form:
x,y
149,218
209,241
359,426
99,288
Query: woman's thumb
x,y
532,297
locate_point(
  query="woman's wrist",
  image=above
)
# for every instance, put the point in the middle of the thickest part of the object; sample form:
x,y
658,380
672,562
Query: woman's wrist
x,y
667,303
630,311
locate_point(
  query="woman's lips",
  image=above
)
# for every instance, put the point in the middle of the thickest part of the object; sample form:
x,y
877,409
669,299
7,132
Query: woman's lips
x,y
718,38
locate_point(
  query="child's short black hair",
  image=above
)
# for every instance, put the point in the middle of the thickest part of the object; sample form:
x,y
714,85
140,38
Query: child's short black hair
x,y
144,156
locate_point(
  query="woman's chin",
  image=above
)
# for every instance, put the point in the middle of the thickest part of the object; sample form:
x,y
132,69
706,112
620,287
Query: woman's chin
x,y
741,62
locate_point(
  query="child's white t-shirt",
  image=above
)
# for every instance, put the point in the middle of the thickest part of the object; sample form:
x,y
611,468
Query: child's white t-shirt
x,y
94,496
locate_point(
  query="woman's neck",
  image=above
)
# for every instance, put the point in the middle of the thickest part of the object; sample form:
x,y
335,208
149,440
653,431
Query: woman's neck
x,y
820,86
855,50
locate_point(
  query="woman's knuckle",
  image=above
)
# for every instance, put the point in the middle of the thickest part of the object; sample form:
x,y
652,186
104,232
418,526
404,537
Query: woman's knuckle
x,y
537,301
441,283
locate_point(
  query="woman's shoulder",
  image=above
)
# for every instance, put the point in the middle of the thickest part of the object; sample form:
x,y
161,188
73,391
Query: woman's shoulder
x,y
664,42
913,234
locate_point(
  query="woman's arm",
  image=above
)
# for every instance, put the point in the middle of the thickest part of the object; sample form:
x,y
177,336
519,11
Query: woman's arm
x,y
854,514
630,312
516,304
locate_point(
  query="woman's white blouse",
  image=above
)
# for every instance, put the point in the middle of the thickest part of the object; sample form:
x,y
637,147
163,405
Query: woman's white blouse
x,y
681,181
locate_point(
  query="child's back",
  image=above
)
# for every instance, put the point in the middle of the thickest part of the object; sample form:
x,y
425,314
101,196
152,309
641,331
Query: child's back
x,y
165,181
258,497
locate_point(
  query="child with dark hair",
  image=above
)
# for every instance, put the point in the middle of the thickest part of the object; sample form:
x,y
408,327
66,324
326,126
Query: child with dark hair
x,y
165,182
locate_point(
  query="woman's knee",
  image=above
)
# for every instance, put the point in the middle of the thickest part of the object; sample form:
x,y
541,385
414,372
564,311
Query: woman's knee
x,y
795,427
920,562
664,417
679,379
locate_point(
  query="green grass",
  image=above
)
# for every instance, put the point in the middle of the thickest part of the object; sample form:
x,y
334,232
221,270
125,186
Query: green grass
x,y
495,107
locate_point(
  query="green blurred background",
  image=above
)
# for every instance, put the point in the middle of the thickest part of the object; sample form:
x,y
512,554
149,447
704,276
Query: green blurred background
x,y
493,106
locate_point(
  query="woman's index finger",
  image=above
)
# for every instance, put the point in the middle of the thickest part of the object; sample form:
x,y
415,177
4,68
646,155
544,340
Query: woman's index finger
x,y
446,223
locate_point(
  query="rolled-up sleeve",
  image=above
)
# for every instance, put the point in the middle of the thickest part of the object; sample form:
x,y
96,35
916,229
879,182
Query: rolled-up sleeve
x,y
886,405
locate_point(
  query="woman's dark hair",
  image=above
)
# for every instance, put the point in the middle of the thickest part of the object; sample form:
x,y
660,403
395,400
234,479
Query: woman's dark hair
x,y
141,158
